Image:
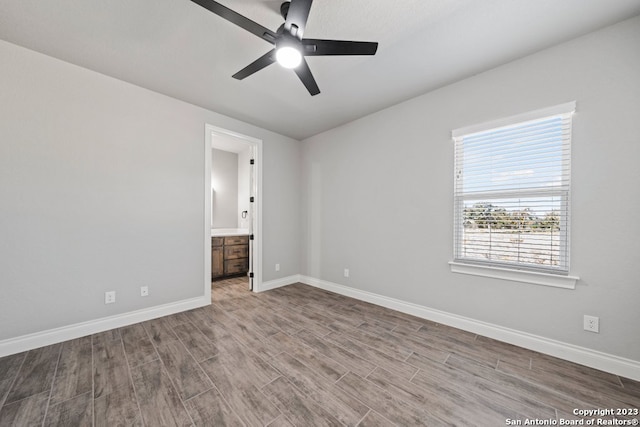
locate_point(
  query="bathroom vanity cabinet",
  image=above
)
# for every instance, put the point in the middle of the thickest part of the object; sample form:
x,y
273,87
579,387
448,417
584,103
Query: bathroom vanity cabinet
x,y
229,256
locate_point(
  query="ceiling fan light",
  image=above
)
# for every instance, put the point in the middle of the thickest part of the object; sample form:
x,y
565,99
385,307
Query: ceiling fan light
x,y
288,57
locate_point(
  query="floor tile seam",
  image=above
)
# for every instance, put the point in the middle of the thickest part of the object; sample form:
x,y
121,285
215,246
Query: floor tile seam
x,y
5,404
276,419
498,360
445,349
400,322
304,393
444,362
550,390
506,392
322,356
51,404
131,382
236,320
414,375
380,415
136,365
270,364
175,389
346,373
477,392
409,356
367,347
153,344
208,358
363,417
16,371
200,393
319,337
267,335
222,396
350,335
321,387
324,323
53,379
605,386
356,398
164,367
293,356
189,351
164,339
331,351
209,340
13,382
249,383
397,401
266,398
401,349
93,386
264,360
460,393
606,383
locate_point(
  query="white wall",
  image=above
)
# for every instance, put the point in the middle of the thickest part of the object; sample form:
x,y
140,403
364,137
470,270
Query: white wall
x,y
378,195
224,197
102,187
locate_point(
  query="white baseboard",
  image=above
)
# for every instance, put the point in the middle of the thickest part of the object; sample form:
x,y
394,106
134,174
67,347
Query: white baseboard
x,y
278,283
64,333
595,359
606,362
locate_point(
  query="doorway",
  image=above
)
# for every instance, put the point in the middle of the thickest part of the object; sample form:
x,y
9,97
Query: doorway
x,y
233,209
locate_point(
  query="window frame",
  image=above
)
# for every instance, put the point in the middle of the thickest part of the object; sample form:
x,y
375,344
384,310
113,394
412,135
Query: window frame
x,y
509,271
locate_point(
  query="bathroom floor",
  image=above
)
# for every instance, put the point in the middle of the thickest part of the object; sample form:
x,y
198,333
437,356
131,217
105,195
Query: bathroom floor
x,y
232,281
230,289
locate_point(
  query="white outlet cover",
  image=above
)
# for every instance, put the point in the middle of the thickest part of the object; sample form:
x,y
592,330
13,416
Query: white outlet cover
x,y
144,291
591,323
346,272
110,297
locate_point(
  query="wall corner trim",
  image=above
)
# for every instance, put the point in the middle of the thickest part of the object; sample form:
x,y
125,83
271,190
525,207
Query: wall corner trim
x,y
595,359
77,330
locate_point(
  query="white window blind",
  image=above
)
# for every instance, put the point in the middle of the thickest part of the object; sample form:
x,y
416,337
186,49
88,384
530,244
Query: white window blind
x,y
512,188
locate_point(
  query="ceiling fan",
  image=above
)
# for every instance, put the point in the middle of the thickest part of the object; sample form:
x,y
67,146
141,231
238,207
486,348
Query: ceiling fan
x,y
290,47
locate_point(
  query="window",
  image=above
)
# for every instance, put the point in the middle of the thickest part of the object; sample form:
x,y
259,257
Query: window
x,y
512,192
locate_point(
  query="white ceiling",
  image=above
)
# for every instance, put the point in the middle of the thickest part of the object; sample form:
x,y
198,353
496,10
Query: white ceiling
x,y
178,48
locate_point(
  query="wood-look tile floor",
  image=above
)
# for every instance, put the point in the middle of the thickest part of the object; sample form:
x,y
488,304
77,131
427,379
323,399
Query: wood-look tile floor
x,y
295,356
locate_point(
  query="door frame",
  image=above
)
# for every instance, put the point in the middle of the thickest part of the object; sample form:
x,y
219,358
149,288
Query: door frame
x,y
210,131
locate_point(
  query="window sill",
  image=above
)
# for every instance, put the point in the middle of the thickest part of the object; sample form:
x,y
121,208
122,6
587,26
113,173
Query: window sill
x,y
536,278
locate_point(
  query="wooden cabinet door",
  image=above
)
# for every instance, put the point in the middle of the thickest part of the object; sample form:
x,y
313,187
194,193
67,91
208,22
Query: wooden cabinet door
x,y
217,261
236,240
236,266
236,251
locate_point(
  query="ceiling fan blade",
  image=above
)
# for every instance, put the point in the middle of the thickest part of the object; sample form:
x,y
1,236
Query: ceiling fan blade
x,y
239,20
257,65
304,72
316,47
297,17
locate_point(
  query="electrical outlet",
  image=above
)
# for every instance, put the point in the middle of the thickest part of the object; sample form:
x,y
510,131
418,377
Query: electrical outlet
x,y
144,291
591,323
110,297
346,272
277,267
